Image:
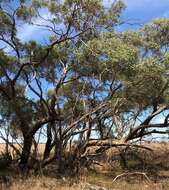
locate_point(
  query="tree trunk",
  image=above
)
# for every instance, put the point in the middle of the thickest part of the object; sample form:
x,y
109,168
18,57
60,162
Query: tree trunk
x,y
123,161
59,154
23,165
48,146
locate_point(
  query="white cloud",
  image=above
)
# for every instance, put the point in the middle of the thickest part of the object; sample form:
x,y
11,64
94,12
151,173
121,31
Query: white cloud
x,y
26,32
29,31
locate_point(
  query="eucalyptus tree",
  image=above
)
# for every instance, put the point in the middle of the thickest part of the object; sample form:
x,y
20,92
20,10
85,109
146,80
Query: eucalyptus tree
x,y
142,77
105,86
25,66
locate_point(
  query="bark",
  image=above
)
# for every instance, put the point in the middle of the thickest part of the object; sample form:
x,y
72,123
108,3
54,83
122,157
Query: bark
x,y
23,165
59,154
48,145
123,161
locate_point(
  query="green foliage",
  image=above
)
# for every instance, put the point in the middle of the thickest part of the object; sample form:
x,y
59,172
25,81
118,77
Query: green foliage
x,y
5,23
106,57
156,35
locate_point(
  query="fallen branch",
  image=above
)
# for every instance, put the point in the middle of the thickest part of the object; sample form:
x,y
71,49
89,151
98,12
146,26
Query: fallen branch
x,y
132,173
111,143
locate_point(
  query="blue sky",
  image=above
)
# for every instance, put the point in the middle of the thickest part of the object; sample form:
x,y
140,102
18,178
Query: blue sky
x,y
143,11
146,10
137,11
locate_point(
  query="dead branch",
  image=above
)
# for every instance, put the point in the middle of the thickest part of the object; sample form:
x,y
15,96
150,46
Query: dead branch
x,y
132,173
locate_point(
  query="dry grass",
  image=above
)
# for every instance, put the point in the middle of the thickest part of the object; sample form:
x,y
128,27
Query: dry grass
x,y
159,159
41,147
53,184
160,147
